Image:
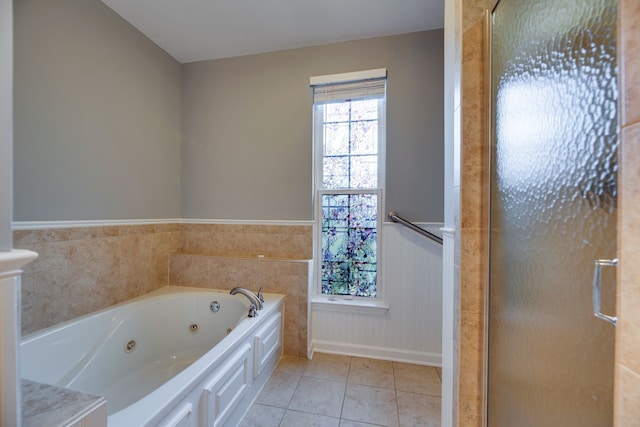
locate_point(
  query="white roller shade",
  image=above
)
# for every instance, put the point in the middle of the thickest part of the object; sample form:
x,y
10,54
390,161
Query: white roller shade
x,y
368,84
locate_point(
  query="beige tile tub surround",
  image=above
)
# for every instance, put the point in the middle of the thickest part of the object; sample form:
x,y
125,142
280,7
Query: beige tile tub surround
x,y
289,277
627,364
223,256
272,241
84,269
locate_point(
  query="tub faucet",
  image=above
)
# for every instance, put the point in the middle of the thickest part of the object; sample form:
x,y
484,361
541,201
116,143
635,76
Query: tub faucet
x,y
256,303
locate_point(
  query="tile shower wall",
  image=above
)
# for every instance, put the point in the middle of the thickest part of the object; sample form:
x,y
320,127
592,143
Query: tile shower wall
x,y
474,203
472,260
84,269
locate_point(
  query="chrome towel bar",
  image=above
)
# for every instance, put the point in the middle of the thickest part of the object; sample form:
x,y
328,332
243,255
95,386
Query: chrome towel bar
x,y
393,216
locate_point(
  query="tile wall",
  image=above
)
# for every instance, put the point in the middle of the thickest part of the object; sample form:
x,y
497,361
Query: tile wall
x,y
84,269
247,240
224,256
289,277
627,376
473,257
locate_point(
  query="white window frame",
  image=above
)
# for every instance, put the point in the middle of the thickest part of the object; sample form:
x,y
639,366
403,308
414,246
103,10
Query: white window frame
x,y
348,302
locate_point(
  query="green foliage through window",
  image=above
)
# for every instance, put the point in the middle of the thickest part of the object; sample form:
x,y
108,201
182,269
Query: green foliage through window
x,y
349,244
349,219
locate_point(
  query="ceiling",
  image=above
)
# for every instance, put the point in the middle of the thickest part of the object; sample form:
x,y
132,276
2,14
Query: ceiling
x,y
197,30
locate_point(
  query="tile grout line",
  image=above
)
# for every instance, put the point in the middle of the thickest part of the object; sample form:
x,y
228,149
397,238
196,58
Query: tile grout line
x,y
344,395
395,391
291,398
344,381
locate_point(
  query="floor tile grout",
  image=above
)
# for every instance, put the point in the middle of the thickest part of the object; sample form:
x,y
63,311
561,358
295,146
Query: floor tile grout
x,y
325,363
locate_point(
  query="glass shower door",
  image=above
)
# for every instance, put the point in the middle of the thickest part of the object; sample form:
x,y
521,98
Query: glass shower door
x,y
553,212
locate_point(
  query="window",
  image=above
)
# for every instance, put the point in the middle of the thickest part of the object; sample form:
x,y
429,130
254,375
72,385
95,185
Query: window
x,y
349,128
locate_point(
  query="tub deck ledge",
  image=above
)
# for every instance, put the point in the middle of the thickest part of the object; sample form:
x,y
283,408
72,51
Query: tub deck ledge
x,y
44,404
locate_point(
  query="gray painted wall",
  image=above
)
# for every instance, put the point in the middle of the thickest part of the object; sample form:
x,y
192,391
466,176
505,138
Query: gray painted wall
x,y
247,150
6,156
99,111
97,116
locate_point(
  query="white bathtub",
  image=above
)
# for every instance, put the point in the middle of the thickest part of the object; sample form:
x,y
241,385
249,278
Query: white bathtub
x,y
154,366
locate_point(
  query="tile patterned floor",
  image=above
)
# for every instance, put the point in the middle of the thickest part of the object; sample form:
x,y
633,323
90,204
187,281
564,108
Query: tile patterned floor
x,y
343,391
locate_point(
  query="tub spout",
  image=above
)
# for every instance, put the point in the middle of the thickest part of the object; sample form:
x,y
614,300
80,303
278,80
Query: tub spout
x,y
256,303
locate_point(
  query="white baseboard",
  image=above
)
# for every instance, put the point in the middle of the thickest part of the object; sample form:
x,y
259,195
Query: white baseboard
x,y
311,350
371,352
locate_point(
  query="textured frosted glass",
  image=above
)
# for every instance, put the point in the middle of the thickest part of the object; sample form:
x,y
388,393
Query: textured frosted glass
x,y
553,202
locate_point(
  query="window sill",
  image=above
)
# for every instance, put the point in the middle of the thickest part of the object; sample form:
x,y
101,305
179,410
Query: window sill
x,y
349,305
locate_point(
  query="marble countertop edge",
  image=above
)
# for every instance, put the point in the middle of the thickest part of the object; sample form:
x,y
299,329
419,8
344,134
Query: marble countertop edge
x,y
44,404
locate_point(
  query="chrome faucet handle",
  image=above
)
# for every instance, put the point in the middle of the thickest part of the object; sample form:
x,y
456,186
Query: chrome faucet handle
x,y
253,311
260,297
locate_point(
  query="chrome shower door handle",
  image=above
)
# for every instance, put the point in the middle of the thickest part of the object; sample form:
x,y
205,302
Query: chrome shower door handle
x,y
596,288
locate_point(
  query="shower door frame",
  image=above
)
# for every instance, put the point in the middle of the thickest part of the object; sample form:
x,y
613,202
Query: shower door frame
x,y
488,70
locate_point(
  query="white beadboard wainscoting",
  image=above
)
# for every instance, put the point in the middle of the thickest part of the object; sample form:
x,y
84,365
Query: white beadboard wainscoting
x,y
450,329
411,329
